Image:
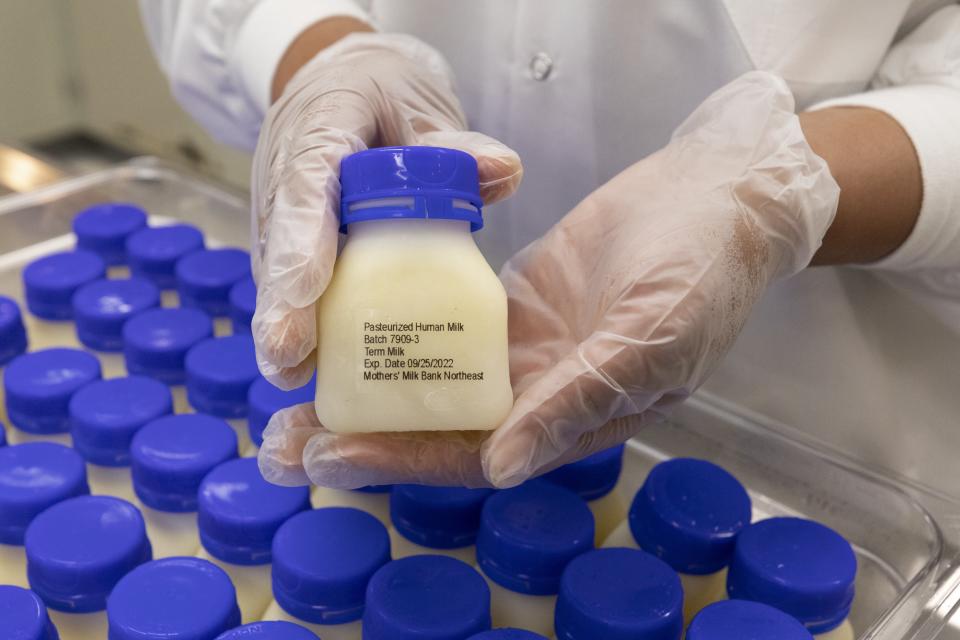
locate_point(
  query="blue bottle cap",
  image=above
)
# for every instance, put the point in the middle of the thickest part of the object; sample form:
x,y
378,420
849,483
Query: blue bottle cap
x,y
101,307
276,630
170,456
264,400
426,598
219,374
204,278
39,386
50,282
78,549
24,615
13,335
323,560
181,598
593,477
104,228
507,634
745,620
798,566
437,517
153,252
440,183
619,594
529,533
688,513
238,512
3,435
33,477
106,414
156,342
375,488
243,302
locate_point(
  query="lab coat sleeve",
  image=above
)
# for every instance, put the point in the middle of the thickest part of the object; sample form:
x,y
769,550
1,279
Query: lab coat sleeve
x,y
220,55
918,84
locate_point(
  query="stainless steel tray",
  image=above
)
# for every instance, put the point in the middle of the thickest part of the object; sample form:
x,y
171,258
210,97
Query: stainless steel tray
x,y
906,535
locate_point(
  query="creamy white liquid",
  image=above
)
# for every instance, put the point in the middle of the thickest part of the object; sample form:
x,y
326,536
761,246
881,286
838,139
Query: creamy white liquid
x,y
118,272
80,626
608,512
222,327
49,333
13,565
401,547
415,298
239,426
111,364
180,402
376,504
521,610
843,632
171,534
16,436
252,583
111,481
346,631
169,299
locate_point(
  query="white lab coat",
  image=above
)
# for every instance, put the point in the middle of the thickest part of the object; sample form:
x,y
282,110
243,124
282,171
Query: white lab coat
x,y
868,361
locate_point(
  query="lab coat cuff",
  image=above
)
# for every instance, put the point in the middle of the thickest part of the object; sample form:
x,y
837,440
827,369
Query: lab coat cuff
x,y
267,33
928,113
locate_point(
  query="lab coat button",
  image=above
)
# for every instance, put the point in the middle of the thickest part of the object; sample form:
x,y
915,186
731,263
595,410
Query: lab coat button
x,y
540,66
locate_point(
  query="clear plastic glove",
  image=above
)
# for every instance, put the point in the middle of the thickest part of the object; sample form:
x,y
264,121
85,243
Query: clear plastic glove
x,y
622,309
365,90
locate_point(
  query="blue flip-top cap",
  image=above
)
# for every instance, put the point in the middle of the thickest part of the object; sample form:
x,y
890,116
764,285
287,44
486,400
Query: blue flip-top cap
x,y
441,183
24,615
156,342
619,594
13,335
39,385
205,277
798,566
173,598
688,513
104,228
593,477
3,435
426,598
243,303
50,282
276,630
742,619
238,512
437,517
507,634
101,308
219,374
78,549
106,414
529,533
153,252
264,400
375,488
170,456
323,560
33,477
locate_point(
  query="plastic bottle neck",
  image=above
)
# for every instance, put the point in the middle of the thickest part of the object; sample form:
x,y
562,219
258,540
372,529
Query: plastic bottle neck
x,y
418,230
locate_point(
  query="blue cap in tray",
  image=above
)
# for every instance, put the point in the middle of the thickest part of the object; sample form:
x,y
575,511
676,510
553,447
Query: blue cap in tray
x,y
156,342
219,374
275,630
101,308
593,477
153,252
205,277
13,335
437,517
50,282
39,385
264,400
104,228
739,619
243,303
24,615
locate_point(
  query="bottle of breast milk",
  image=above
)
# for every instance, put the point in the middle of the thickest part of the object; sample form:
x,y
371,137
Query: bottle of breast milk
x,y
172,598
527,537
77,550
436,520
274,630
595,480
243,304
738,619
412,330
507,634
374,499
24,615
323,560
688,513
264,400
204,280
798,566
219,374
13,341
238,514
33,477
38,387
104,229
153,253
169,457
104,416
619,593
49,284
156,342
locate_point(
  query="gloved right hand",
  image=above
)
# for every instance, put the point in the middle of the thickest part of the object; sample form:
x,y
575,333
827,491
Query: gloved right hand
x,y
365,90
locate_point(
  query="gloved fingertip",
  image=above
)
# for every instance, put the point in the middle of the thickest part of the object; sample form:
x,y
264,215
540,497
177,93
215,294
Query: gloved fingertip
x,y
288,378
326,466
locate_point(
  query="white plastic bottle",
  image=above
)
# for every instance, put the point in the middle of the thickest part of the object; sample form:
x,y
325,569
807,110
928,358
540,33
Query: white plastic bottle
x,y
33,477
264,400
104,228
412,330
13,341
436,520
527,537
169,457
204,280
735,619
153,253
77,551
238,514
271,630
375,500
323,560
104,416
801,567
688,513
24,615
49,284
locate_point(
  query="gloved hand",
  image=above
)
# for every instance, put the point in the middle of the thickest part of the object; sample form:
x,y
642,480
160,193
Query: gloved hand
x,y
365,90
622,309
